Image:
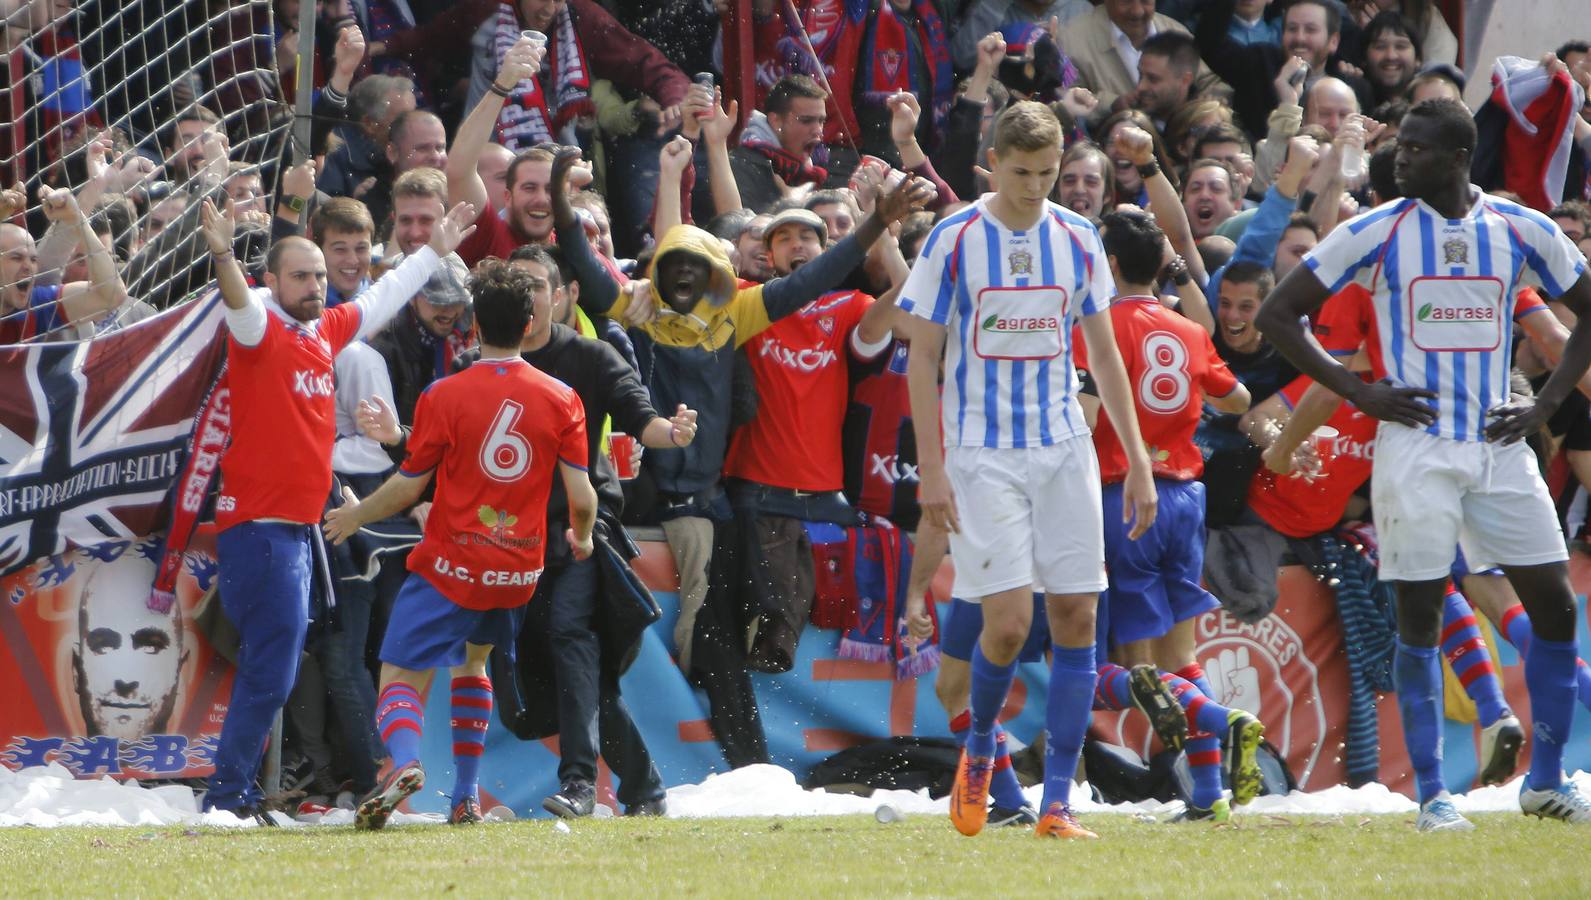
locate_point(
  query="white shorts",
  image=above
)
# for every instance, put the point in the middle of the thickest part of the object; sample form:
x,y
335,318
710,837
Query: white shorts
x,y
1431,493
1028,517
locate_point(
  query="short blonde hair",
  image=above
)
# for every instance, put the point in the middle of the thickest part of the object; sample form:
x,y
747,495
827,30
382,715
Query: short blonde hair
x,y
1027,126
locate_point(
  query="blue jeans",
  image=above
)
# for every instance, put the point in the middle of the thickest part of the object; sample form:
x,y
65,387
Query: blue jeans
x,y
265,584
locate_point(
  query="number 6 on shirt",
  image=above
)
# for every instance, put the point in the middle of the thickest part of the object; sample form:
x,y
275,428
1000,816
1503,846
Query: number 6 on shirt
x,y
505,456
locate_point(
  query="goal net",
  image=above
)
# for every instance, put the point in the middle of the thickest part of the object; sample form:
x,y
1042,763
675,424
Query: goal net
x,y
142,108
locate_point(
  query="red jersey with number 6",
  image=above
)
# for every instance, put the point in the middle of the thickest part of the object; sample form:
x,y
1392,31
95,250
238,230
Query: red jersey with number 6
x,y
1171,365
495,434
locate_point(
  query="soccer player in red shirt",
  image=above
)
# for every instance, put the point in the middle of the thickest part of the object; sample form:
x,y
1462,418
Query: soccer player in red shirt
x,y
493,435
276,471
1155,591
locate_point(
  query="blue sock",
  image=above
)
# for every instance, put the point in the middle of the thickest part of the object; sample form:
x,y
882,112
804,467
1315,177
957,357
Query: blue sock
x,y
1516,624
1417,674
1066,715
400,718
1003,786
472,713
1207,721
1550,677
1466,652
990,685
1114,690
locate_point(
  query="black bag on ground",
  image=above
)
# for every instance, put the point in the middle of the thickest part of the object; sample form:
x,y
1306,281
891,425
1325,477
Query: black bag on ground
x,y
897,763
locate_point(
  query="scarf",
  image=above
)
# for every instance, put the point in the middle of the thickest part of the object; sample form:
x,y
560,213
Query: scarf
x,y
527,118
863,570
760,138
887,48
212,430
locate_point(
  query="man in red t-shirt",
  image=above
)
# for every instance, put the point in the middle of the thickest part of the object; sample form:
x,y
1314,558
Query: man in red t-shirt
x,y
276,470
786,465
494,435
1146,616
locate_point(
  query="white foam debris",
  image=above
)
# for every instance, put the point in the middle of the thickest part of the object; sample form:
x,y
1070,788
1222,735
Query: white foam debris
x,y
49,797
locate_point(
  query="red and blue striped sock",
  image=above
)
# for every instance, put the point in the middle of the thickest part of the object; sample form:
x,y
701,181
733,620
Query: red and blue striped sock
x,y
1066,714
472,711
1516,624
1466,652
1003,785
1114,690
1207,721
400,718
1417,674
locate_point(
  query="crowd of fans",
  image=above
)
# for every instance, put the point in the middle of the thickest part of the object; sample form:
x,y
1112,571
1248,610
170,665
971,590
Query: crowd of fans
x,y
772,320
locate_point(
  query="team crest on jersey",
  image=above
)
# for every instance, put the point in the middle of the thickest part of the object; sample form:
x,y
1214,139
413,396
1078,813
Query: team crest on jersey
x,y
1020,262
827,324
1455,252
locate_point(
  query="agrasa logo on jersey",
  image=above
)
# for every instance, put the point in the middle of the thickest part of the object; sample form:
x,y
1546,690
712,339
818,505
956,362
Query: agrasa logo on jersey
x,y
1020,323
1456,314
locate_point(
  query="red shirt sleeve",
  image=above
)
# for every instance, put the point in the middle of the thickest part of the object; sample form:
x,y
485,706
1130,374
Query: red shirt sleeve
x,y
339,325
490,238
1343,323
428,441
1528,300
572,446
1218,380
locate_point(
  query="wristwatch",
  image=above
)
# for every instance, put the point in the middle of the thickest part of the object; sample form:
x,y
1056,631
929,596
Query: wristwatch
x,y
296,204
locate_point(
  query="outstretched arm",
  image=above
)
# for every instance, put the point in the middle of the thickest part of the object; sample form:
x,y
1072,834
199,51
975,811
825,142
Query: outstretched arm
x,y
464,183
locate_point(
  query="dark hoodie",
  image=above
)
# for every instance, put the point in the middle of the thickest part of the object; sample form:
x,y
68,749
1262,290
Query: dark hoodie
x,y
688,358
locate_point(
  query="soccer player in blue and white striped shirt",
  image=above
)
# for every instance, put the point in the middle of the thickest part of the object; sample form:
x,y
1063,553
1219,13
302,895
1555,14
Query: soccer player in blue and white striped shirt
x,y
996,292
1434,278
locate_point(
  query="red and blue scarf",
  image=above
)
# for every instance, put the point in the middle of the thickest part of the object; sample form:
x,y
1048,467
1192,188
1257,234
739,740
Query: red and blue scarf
x,y
889,65
528,118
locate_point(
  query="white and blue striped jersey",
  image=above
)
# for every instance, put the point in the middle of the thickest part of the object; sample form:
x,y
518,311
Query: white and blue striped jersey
x,y
1010,300
1442,296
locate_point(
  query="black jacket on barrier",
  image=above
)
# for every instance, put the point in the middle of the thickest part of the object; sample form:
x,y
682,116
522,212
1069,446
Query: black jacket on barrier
x,y
527,693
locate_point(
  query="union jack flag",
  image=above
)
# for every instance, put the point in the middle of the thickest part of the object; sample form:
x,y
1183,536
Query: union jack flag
x,y
92,433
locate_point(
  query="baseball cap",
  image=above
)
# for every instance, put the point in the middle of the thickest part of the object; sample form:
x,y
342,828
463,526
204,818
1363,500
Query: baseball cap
x,y
449,285
797,216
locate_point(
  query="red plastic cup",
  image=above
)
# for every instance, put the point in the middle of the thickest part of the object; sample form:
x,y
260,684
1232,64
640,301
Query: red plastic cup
x,y
1324,440
621,452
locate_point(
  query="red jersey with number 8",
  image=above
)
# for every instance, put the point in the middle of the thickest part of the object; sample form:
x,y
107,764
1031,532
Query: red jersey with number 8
x,y
1171,366
494,433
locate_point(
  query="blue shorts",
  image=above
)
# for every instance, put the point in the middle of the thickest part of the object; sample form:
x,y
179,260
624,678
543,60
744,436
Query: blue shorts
x,y
1154,581
428,631
960,632
1461,568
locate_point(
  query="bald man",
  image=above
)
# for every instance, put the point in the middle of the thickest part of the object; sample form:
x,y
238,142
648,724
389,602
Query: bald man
x,y
493,169
1328,103
34,304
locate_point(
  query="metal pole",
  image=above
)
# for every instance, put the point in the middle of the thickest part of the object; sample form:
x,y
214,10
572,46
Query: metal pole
x,y
304,84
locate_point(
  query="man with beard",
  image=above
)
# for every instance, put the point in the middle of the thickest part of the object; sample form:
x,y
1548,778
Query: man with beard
x,y
1311,31
786,466
276,471
1208,197
127,664
1166,69
1391,55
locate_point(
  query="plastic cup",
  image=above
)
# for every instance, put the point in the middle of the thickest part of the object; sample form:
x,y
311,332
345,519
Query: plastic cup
x,y
621,452
1324,440
886,814
535,37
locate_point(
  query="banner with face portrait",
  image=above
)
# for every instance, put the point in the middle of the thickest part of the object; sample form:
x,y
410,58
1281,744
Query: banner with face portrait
x,y
97,680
